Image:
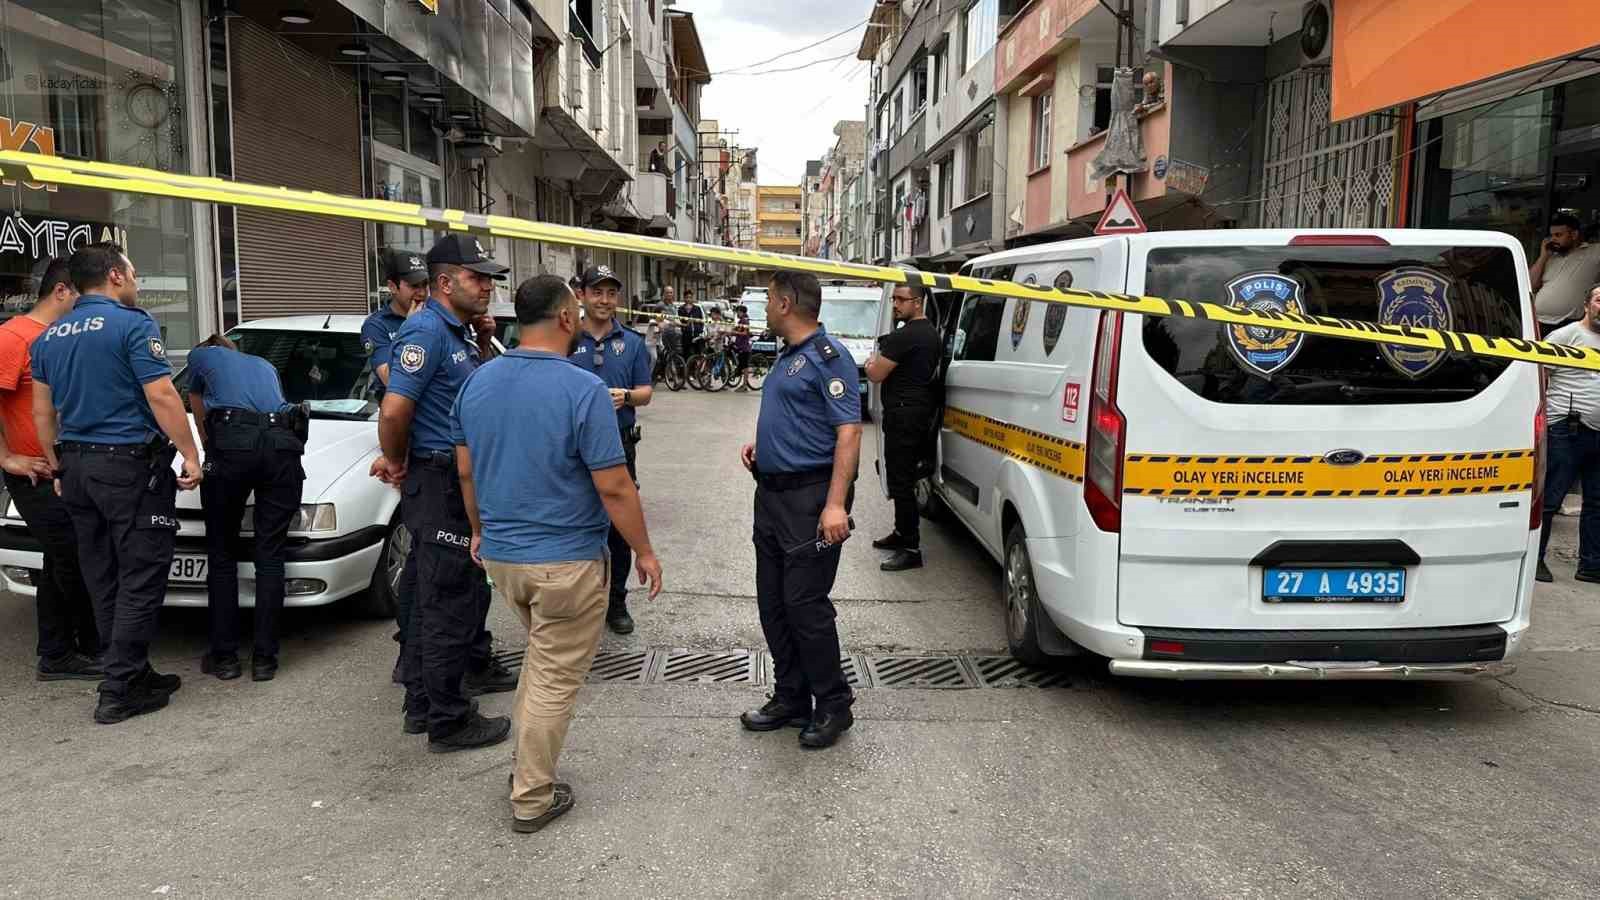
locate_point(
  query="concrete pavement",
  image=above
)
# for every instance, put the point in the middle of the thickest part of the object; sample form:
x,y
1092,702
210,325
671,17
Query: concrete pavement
x,y
305,785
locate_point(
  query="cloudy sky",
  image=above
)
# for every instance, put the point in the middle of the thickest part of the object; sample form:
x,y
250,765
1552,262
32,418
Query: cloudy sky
x,y
789,116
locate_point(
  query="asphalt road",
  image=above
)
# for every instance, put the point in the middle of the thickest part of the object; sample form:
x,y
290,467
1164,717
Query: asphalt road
x,y
305,785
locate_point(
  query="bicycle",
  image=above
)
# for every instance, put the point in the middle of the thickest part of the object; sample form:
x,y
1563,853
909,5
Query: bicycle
x,y
671,369
756,375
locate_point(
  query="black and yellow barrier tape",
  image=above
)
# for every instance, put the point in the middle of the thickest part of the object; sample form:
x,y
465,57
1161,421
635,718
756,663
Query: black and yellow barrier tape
x,y
37,168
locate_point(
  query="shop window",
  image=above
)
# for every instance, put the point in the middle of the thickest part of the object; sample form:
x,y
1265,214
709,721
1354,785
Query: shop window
x,y
1491,170
388,118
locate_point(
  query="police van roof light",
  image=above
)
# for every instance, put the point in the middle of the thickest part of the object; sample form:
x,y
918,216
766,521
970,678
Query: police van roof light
x,y
1337,240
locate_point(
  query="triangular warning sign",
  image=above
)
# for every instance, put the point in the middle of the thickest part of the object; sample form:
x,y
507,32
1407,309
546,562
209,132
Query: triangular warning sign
x,y
1120,216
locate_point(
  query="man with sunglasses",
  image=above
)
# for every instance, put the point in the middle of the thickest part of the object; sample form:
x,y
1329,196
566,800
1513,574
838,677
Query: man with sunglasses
x,y
621,358
907,365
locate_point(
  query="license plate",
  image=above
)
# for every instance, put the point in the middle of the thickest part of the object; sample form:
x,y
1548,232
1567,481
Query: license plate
x,y
187,569
764,346
1334,585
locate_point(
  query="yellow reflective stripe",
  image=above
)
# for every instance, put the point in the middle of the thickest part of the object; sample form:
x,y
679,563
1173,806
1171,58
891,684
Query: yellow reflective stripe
x,y
1053,454
34,167
1404,475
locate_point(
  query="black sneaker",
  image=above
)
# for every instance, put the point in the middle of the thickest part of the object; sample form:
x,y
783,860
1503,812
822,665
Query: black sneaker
x,y
1588,575
138,699
892,541
1543,573
478,732
263,667
563,802
775,714
902,560
159,682
223,665
417,723
494,679
72,667
619,622
825,728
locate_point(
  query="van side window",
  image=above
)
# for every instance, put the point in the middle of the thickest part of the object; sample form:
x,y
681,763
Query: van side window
x,y
978,329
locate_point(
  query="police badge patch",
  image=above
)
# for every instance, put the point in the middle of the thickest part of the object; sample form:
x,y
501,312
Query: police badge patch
x,y
1417,298
1019,315
412,357
367,346
616,347
798,364
156,350
1257,348
836,388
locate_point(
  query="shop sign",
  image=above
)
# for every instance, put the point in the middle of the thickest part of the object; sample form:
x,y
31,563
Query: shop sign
x,y
38,237
28,138
1186,177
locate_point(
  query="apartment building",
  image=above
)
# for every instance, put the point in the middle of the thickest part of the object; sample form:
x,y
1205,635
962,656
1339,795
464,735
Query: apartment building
x,y
778,218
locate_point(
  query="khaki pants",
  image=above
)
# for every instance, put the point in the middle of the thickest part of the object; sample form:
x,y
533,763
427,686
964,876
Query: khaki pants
x,y
563,607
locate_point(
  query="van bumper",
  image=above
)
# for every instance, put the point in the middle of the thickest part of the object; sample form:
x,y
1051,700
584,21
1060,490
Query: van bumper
x,y
1308,671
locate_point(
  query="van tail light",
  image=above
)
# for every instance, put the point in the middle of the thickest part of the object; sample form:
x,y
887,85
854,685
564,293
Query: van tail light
x,y
1536,512
1108,430
1337,240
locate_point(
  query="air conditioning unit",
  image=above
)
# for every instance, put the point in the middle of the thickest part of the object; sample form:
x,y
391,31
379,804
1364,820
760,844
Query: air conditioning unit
x,y
1316,33
477,145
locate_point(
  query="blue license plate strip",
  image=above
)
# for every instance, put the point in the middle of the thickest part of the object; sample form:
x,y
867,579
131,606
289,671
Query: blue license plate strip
x,y
1352,585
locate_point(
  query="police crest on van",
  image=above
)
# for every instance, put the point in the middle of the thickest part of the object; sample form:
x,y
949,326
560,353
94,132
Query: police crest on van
x,y
1418,298
1257,348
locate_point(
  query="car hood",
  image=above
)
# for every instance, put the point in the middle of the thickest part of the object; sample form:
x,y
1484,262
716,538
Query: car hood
x,y
335,447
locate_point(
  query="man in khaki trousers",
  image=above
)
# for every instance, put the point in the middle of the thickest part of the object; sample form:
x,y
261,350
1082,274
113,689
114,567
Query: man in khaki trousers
x,y
543,478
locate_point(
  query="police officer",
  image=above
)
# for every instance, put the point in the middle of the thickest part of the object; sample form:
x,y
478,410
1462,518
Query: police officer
x,y
621,359
906,363
808,442
253,441
102,385
408,287
432,355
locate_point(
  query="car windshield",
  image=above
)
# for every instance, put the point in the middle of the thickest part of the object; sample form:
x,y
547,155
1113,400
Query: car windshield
x,y
325,369
850,317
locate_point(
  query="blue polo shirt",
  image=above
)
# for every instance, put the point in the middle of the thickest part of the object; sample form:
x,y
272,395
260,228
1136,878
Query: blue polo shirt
x,y
536,498
621,359
377,340
431,359
234,380
808,394
97,360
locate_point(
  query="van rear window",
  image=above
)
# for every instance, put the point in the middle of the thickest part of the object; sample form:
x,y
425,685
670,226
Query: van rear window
x,y
1455,288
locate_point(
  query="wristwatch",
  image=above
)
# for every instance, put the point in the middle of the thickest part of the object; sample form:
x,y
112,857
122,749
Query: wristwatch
x,y
627,398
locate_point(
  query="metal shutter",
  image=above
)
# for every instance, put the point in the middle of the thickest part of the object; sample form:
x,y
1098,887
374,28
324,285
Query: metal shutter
x,y
296,122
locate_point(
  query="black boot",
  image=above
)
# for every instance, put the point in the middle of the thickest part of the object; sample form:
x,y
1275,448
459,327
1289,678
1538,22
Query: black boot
x,y
617,618
140,697
72,667
893,541
494,678
776,714
903,559
223,665
478,732
825,728
263,667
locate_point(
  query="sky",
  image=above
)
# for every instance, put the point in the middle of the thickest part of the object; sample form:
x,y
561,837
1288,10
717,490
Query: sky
x,y
789,116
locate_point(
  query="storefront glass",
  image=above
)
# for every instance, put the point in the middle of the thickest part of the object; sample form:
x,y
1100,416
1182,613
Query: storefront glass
x,y
98,80
405,154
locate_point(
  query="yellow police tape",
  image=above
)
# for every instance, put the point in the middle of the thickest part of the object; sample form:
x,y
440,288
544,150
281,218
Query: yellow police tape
x,y
1160,475
36,168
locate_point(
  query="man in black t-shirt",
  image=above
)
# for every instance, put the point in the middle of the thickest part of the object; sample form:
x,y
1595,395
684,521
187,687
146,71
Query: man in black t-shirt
x,y
907,365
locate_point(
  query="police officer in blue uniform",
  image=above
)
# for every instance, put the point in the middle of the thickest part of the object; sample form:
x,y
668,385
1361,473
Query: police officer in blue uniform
x,y
408,286
808,444
103,388
253,441
433,354
622,360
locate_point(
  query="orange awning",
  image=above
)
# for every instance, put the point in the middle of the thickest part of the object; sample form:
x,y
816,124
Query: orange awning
x,y
1387,52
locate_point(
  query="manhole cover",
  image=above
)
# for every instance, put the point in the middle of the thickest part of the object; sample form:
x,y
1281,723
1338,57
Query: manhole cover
x,y
1005,672
919,671
855,674
620,665
723,667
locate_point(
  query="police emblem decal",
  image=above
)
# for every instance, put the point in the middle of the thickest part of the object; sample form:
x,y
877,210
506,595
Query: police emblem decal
x,y
1258,348
1055,314
836,388
412,357
1019,316
156,350
1416,298
616,347
798,364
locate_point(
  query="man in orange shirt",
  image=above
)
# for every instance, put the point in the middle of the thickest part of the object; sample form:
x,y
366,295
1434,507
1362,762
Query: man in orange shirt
x,y
68,643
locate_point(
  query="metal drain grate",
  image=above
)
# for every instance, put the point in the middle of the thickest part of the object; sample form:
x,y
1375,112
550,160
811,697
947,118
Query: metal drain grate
x,y
696,666
1005,672
919,671
855,673
628,666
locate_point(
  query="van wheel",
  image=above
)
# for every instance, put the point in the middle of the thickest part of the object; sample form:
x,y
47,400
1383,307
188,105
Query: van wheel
x,y
1022,602
929,506
378,600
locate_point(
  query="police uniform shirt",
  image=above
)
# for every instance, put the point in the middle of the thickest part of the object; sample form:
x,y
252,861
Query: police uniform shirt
x,y
431,358
809,393
97,360
536,498
377,336
229,379
621,359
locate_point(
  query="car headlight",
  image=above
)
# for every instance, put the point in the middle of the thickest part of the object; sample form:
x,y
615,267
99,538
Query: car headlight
x,y
311,517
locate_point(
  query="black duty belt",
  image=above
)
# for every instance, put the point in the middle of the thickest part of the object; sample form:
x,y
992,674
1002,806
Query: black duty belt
x,y
788,481
232,416
434,459
135,451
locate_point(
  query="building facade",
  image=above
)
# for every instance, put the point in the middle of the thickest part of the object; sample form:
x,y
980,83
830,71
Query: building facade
x,y
779,221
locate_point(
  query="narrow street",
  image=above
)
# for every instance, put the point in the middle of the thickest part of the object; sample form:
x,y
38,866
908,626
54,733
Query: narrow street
x,y
1102,787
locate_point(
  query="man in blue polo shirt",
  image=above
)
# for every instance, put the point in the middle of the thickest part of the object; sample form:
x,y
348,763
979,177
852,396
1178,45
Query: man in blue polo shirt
x,y
408,287
432,356
622,360
544,476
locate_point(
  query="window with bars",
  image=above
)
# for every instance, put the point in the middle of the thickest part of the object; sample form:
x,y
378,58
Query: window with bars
x,y
1322,174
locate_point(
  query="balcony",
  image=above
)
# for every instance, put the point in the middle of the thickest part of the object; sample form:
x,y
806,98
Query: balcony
x,y
1086,196
646,199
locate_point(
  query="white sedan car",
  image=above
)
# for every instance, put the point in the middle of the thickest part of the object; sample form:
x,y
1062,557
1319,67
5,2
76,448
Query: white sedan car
x,y
345,544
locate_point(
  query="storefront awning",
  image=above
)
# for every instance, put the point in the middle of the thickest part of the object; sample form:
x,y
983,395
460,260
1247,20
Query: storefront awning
x,y
1386,53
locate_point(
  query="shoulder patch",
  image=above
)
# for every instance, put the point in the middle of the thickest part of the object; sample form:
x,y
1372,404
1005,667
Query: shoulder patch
x,y
412,357
836,388
367,346
156,350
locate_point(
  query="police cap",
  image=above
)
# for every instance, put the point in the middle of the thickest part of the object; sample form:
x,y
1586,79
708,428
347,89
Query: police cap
x,y
404,266
465,251
598,275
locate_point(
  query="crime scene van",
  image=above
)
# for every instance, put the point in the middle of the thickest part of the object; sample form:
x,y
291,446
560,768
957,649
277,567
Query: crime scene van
x,y
1193,500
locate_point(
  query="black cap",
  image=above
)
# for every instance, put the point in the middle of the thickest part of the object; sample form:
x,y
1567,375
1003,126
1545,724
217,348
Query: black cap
x,y
404,265
465,251
597,274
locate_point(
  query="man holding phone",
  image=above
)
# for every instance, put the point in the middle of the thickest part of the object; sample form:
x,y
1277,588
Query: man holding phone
x,y
1562,275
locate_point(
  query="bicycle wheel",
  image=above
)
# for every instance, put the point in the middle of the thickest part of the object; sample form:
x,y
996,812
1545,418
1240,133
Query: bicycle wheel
x,y
716,373
699,372
760,364
676,374
731,373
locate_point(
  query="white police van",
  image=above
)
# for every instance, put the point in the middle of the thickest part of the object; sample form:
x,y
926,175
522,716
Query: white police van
x,y
1191,500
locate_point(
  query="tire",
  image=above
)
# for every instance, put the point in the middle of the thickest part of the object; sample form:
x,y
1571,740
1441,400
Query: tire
x,y
929,506
731,373
760,365
378,600
676,374
1022,601
699,372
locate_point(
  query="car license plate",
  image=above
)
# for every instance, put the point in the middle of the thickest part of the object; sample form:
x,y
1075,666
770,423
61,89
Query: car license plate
x,y
1334,585
188,569
764,346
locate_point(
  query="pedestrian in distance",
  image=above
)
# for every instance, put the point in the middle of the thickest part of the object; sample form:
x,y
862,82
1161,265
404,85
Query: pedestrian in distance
x,y
102,386
658,158
1572,411
545,478
619,357
1562,275
741,346
253,441
69,642
906,363
693,321
447,647
804,459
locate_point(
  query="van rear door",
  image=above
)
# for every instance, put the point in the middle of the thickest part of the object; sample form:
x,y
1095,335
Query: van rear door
x,y
1283,481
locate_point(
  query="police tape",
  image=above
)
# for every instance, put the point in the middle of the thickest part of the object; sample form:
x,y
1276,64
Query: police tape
x,y
35,168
